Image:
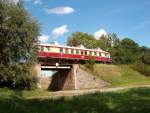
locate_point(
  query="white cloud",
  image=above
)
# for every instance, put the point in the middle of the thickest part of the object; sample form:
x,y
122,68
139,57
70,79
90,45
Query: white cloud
x,y
59,31
100,33
43,38
37,2
60,10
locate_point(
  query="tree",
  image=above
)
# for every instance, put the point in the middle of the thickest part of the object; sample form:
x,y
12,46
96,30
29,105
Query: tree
x,y
18,44
145,55
79,38
113,39
127,51
102,43
108,42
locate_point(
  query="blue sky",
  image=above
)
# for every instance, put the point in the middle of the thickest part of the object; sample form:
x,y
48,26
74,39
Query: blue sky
x,y
59,18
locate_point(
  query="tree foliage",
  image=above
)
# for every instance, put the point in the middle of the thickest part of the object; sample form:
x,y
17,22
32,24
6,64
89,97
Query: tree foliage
x,y
79,38
145,55
18,44
126,52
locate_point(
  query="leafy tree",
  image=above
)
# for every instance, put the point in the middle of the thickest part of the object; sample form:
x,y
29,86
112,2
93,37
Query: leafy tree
x,y
103,43
126,52
18,44
79,38
145,55
113,39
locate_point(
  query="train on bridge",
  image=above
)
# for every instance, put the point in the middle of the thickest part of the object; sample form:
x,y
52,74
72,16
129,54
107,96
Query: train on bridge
x,y
80,54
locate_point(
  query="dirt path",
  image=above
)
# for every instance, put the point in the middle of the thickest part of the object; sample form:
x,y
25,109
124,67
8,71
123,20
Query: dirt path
x,y
70,93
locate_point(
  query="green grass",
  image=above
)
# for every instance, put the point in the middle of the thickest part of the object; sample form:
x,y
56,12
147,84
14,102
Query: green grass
x,y
119,75
128,101
6,93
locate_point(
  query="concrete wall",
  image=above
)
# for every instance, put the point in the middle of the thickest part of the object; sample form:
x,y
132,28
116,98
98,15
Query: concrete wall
x,y
71,79
85,80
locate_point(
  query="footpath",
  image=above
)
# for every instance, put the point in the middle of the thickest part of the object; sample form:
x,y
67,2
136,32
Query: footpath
x,y
70,93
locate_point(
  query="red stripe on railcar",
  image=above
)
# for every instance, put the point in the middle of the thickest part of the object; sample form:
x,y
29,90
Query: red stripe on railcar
x,y
71,56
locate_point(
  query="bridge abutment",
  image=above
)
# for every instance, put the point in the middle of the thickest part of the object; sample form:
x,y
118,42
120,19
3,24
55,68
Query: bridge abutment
x,y
70,79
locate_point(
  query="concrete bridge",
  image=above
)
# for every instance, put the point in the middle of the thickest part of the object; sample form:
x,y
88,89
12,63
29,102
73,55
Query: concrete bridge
x,y
67,77
63,79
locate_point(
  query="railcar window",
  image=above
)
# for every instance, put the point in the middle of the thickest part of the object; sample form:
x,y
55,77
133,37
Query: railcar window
x,y
90,53
82,52
67,51
108,55
48,48
99,54
94,53
85,52
72,51
77,51
61,49
42,48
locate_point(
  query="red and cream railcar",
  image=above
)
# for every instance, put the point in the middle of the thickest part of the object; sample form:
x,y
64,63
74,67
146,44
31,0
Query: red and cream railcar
x,y
71,53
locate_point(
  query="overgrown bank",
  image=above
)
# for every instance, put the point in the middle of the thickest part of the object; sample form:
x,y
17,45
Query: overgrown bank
x,y
118,75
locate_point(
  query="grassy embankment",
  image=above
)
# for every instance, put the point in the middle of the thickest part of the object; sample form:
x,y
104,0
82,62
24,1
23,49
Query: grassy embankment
x,y
119,75
127,101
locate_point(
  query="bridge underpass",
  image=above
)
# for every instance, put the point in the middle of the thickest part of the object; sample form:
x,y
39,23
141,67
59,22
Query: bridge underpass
x,y
63,78
67,77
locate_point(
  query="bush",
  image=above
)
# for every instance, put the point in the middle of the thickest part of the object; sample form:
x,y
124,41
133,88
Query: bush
x,y
141,68
18,76
90,63
146,58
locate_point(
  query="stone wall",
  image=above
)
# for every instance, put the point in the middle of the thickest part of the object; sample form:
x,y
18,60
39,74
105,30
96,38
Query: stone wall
x,y
87,81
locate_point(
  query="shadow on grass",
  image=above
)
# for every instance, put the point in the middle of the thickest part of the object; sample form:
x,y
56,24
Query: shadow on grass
x,y
131,101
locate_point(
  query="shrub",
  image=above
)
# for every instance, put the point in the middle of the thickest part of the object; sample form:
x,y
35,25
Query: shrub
x,y
146,58
18,76
141,68
90,63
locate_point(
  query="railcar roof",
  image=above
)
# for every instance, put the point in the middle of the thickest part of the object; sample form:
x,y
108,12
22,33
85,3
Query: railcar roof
x,y
72,47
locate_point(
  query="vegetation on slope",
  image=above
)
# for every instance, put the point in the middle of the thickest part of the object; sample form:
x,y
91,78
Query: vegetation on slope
x,y
118,75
